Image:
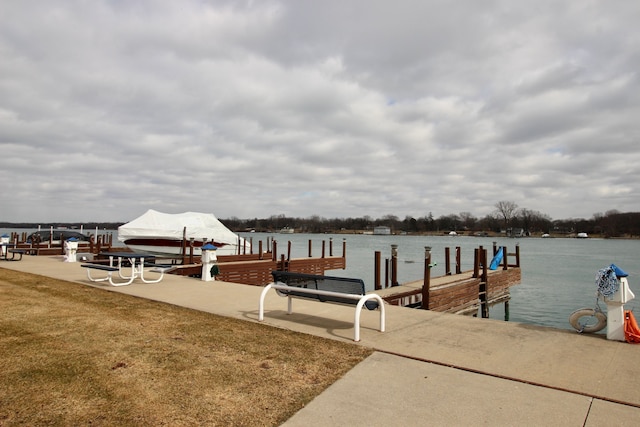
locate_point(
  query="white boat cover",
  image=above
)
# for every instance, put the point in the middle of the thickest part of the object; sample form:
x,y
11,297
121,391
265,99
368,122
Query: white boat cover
x,y
159,225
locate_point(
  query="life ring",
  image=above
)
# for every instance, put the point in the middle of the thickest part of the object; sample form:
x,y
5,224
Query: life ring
x,y
596,322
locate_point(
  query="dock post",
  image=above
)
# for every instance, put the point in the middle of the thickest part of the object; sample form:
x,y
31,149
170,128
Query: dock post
x,y
260,253
376,271
505,258
458,266
426,285
386,272
274,251
476,263
482,291
309,248
289,250
323,248
394,265
447,261
518,255
330,246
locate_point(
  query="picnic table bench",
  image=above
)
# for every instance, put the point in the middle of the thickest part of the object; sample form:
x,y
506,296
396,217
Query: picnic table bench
x,y
13,253
136,265
337,290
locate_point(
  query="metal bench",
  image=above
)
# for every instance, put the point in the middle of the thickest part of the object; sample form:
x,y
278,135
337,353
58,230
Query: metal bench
x,y
338,290
13,253
110,270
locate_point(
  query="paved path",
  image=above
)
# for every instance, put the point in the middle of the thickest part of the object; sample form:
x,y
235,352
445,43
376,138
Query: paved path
x,y
430,368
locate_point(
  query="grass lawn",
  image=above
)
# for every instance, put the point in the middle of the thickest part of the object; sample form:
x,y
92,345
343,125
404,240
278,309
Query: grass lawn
x,y
71,354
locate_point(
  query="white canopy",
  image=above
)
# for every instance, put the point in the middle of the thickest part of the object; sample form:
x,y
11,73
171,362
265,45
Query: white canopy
x,y
159,225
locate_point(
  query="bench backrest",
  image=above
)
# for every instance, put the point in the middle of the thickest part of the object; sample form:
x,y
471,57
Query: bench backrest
x,y
325,283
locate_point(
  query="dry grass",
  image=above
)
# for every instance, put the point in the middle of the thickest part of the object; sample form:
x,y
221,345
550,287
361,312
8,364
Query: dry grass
x,y
76,355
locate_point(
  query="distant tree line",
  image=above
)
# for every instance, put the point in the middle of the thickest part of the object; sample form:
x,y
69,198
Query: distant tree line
x,y
506,216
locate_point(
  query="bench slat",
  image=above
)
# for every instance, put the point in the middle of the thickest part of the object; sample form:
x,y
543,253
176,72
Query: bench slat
x,y
100,267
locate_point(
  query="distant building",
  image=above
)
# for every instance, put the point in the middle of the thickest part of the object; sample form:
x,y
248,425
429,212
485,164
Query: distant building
x,y
516,232
382,230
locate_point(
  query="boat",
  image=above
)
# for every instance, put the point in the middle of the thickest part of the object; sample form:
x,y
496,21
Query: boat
x,y
45,236
286,230
582,236
168,235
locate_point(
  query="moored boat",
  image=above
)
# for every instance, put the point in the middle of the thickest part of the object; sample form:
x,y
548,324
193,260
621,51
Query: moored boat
x,y
55,236
171,235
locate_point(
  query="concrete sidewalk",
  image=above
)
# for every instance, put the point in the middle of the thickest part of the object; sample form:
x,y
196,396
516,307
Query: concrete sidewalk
x,y
430,368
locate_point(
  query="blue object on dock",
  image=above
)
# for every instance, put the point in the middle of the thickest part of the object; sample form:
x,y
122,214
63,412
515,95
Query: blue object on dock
x,y
495,262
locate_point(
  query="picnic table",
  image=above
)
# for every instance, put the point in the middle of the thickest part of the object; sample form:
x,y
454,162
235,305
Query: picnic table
x,y
129,266
10,248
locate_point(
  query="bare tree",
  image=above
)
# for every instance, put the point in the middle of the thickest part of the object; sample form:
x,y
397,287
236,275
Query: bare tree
x,y
507,210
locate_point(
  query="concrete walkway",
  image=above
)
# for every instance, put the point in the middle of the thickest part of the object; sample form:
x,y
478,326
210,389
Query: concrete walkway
x,y
430,368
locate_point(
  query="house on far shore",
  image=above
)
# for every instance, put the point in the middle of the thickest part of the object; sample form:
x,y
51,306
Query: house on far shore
x,y
382,230
516,232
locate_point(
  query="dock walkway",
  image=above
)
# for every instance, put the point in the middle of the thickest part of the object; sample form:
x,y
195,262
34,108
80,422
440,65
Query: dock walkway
x,y
429,368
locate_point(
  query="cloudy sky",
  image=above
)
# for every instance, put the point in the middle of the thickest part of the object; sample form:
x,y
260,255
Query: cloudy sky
x,y
329,108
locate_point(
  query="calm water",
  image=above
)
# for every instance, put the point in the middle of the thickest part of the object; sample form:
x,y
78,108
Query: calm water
x,y
558,275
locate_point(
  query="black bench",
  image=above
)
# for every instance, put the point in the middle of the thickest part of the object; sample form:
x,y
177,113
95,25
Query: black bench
x,y
13,253
338,290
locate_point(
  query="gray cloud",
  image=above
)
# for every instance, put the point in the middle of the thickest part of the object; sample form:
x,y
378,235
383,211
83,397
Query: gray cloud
x,y
308,108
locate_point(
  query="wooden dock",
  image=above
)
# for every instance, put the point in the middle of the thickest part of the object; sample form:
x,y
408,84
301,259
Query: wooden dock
x,y
255,269
463,292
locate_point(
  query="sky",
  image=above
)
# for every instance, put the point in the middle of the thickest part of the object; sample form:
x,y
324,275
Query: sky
x,y
329,108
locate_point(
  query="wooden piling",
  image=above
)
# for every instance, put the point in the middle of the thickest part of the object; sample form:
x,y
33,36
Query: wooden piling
x,y
394,265
427,278
447,261
482,291
376,270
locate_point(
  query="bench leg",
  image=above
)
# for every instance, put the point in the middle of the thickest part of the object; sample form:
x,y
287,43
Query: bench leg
x,y
261,303
156,280
361,302
101,279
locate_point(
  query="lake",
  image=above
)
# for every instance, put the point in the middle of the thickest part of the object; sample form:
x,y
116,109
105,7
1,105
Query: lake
x,y
558,274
